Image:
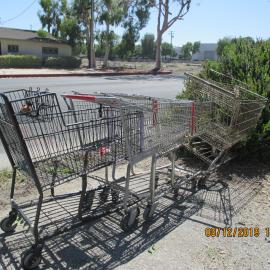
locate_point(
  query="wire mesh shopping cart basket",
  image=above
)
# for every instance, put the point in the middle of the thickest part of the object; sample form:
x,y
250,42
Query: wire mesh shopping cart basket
x,y
51,147
235,112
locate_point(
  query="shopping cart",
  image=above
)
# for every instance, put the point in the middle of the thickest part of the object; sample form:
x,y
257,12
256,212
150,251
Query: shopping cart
x,y
162,126
51,147
235,111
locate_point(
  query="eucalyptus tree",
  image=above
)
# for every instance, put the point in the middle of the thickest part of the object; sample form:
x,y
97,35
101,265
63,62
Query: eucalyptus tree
x,y
84,10
169,12
110,13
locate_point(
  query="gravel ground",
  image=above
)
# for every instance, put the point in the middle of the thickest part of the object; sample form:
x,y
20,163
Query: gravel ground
x,y
174,239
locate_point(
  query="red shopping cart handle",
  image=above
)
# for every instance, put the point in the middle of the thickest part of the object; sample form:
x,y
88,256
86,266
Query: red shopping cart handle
x,y
81,97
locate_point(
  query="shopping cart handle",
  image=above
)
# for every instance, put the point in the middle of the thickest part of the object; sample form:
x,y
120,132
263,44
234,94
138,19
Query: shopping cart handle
x,y
81,97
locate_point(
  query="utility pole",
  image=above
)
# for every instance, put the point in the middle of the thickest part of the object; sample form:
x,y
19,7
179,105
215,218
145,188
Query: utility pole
x,y
171,33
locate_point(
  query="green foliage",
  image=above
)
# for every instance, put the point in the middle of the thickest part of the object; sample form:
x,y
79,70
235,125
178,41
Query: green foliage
x,y
148,46
20,61
196,46
167,49
222,43
190,48
249,62
42,33
187,50
50,15
102,40
70,30
136,17
62,62
6,177
138,50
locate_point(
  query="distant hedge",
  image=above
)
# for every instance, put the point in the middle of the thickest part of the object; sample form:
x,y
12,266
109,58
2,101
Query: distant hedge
x,y
62,62
20,61
31,61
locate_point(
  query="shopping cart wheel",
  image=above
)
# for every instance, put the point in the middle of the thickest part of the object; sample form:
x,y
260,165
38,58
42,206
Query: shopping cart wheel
x,y
175,193
149,211
115,196
130,219
104,194
8,224
31,258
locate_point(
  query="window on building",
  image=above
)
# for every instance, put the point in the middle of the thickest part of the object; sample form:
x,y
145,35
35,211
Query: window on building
x,y
49,51
13,48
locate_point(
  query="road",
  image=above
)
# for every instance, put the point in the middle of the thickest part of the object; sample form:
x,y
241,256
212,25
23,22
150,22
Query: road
x,y
160,86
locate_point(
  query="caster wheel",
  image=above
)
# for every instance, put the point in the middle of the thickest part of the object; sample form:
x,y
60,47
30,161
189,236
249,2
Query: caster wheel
x,y
149,212
130,220
7,224
103,196
31,259
175,193
88,199
115,196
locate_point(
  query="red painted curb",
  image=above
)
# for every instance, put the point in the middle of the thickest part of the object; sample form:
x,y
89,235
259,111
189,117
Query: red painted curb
x,y
83,74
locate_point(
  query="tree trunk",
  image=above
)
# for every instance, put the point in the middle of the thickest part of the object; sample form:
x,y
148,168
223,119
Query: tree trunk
x,y
88,45
92,49
158,51
107,46
159,40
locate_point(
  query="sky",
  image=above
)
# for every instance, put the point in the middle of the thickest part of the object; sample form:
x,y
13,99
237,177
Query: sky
x,y
207,20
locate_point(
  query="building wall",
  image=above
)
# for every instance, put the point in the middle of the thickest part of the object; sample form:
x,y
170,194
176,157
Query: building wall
x,y
33,47
208,51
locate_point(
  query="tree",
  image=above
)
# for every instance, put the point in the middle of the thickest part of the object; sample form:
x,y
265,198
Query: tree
x,y
222,43
148,45
187,50
167,49
84,11
166,20
136,16
51,15
42,33
196,46
111,13
70,31
47,15
138,50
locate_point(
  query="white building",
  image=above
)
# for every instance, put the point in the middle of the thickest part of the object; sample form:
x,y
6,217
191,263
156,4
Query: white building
x,y
18,41
207,51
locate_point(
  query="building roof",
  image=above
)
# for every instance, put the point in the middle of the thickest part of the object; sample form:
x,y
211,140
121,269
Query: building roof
x,y
21,34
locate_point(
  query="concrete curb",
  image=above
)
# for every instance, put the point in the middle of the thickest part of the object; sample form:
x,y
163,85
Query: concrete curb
x,y
94,74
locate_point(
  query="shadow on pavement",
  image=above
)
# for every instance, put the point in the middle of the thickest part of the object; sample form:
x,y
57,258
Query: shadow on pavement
x,y
101,244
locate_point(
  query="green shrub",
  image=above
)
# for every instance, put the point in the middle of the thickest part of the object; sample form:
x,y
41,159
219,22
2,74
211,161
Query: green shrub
x,y
62,62
20,61
248,61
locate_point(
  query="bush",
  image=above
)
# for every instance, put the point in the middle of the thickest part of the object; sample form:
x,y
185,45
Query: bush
x,y
248,61
62,62
20,61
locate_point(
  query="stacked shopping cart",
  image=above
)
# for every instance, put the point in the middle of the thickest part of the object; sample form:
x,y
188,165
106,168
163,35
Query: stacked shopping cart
x,y
54,142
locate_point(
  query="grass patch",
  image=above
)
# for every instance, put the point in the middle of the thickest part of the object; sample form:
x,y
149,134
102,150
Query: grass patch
x,y
6,177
